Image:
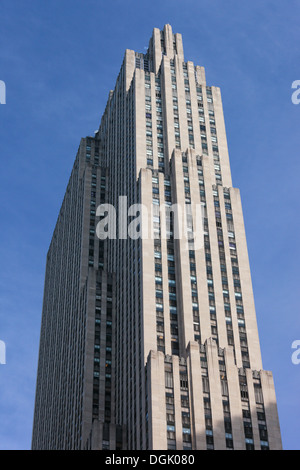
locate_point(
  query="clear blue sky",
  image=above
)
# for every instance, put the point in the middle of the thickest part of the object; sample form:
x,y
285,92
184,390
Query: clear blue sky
x,y
59,59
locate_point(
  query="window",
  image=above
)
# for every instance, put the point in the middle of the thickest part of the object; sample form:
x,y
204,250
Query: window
x,y
264,445
258,393
184,401
183,381
169,401
171,428
224,386
168,379
205,384
170,420
244,391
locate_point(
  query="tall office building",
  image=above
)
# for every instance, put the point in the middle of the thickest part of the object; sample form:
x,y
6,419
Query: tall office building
x,y
149,336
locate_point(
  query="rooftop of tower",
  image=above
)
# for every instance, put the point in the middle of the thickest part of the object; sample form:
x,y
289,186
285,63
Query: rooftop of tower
x,y
162,43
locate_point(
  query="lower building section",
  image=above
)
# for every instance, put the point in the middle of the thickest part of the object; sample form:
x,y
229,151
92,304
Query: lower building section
x,y
106,436
200,402
204,401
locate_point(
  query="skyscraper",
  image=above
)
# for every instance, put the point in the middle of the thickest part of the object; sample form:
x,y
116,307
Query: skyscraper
x,y
149,338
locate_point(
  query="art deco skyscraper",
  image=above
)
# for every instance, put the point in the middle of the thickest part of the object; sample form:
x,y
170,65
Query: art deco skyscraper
x,y
150,342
